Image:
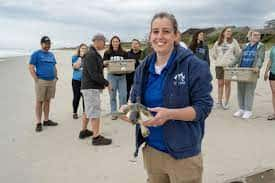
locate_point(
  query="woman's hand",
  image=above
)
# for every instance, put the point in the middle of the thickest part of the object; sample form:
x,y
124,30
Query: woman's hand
x,y
105,63
255,69
109,87
77,64
161,117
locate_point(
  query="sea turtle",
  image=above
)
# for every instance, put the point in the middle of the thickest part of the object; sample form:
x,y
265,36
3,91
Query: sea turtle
x,y
137,114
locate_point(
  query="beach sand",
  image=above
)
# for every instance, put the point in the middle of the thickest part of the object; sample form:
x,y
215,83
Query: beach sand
x,y
231,146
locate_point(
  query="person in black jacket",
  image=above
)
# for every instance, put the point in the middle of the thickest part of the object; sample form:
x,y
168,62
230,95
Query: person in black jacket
x,y
199,47
134,53
118,81
91,84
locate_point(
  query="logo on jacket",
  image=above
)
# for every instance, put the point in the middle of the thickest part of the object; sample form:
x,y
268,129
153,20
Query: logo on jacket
x,y
179,79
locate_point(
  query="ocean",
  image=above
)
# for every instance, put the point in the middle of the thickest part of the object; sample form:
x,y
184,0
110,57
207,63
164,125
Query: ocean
x,y
5,53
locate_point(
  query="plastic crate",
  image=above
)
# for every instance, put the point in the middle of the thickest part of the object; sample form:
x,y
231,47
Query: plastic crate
x,y
121,66
240,74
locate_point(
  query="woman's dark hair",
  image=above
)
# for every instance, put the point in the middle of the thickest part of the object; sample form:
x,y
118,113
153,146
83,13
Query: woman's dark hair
x,y
194,43
136,40
221,37
78,49
169,16
111,48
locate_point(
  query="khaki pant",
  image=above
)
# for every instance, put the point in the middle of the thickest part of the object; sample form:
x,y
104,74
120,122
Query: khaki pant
x,y
45,90
162,168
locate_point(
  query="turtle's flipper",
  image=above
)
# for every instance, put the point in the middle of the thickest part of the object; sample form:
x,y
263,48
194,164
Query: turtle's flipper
x,y
117,113
144,131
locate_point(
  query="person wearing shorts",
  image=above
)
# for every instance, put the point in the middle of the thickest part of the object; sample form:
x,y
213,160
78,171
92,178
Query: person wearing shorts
x,y
226,51
92,84
270,74
42,67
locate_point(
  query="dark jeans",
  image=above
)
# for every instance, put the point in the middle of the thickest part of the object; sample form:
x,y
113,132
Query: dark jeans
x,y
77,95
130,80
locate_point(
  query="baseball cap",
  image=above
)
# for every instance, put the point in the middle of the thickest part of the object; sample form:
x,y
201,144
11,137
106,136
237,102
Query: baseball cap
x,y
45,39
99,37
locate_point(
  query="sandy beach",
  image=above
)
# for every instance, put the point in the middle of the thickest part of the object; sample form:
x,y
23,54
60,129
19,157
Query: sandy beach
x,y
232,147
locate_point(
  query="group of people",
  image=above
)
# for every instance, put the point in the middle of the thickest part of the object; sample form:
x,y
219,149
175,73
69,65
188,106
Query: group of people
x,y
88,82
227,53
172,81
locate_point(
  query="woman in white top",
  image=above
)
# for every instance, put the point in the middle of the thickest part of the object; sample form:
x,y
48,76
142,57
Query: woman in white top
x,y
226,51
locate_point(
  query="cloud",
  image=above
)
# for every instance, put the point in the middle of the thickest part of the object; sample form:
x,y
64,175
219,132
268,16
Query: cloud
x,y
71,22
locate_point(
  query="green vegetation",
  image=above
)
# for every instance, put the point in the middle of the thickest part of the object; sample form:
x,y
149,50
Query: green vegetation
x,y
127,45
238,33
268,40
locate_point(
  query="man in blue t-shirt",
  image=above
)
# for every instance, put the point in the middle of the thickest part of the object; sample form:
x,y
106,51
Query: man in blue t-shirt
x,y
42,67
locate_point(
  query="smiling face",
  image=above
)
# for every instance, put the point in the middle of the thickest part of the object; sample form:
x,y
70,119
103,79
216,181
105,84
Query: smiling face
x,y
162,36
227,33
82,50
255,37
115,43
46,46
135,45
201,36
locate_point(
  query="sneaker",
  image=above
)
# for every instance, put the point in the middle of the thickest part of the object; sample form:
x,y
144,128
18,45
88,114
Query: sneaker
x,y
85,133
100,140
271,117
50,123
239,113
114,117
247,115
75,116
38,127
225,106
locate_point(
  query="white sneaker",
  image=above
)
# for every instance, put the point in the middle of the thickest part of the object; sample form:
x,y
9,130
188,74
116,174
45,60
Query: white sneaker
x,y
239,113
226,106
247,114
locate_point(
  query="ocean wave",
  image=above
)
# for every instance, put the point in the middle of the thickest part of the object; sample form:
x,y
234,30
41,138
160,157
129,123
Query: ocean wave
x,y
4,53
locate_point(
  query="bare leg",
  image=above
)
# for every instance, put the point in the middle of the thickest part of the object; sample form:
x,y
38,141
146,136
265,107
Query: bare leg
x,y
97,138
272,86
38,111
46,109
95,122
220,90
85,121
227,90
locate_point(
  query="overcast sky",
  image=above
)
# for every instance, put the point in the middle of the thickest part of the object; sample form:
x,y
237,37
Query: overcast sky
x,y
71,22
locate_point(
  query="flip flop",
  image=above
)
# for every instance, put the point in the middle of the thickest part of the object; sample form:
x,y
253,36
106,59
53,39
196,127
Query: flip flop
x,y
271,117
